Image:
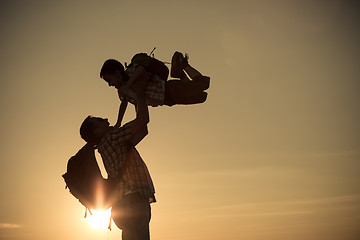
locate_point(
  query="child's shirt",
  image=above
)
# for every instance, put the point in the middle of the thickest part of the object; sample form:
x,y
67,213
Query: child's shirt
x,y
155,89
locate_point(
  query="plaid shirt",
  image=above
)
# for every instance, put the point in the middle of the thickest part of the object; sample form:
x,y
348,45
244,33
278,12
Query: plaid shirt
x,y
154,91
122,159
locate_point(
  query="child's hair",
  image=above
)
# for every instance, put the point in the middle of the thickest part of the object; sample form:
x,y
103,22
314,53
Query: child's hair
x,y
110,66
87,131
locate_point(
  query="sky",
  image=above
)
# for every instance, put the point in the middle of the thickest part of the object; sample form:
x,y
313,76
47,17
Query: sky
x,y
272,154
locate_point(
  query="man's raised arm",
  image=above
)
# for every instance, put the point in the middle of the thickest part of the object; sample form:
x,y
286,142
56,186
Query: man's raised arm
x,y
139,125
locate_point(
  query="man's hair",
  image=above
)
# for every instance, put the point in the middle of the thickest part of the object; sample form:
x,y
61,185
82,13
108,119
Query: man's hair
x,y
110,66
87,131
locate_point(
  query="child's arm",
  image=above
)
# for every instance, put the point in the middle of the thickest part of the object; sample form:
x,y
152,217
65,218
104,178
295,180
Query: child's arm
x,y
122,110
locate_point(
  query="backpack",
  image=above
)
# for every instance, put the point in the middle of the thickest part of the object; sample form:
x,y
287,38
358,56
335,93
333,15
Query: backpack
x,y
151,64
85,182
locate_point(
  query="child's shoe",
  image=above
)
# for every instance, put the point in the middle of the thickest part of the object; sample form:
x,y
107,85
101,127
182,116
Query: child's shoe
x,y
178,63
202,82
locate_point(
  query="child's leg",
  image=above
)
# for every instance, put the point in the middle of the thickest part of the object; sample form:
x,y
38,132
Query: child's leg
x,y
178,63
201,82
192,72
181,92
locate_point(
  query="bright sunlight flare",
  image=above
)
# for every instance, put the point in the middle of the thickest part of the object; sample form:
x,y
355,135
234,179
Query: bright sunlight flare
x,y
99,219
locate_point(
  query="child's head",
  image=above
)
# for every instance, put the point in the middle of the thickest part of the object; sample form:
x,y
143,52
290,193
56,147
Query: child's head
x,y
93,129
113,73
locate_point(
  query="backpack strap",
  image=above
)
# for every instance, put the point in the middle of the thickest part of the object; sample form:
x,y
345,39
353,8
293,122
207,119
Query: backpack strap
x,y
86,210
109,227
152,52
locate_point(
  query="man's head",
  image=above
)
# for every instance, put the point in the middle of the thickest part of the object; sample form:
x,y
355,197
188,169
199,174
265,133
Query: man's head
x,y
113,73
93,129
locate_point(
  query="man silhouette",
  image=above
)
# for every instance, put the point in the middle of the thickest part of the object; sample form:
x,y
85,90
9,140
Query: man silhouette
x,y
131,211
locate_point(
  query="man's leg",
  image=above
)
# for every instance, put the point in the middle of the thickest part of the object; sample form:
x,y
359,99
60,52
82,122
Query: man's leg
x,y
132,215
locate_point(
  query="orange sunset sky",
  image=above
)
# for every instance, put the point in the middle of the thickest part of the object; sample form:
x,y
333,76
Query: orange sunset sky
x,y
272,155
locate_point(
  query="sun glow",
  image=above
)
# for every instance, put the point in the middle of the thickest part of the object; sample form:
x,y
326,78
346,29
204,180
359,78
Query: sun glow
x,y
99,219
